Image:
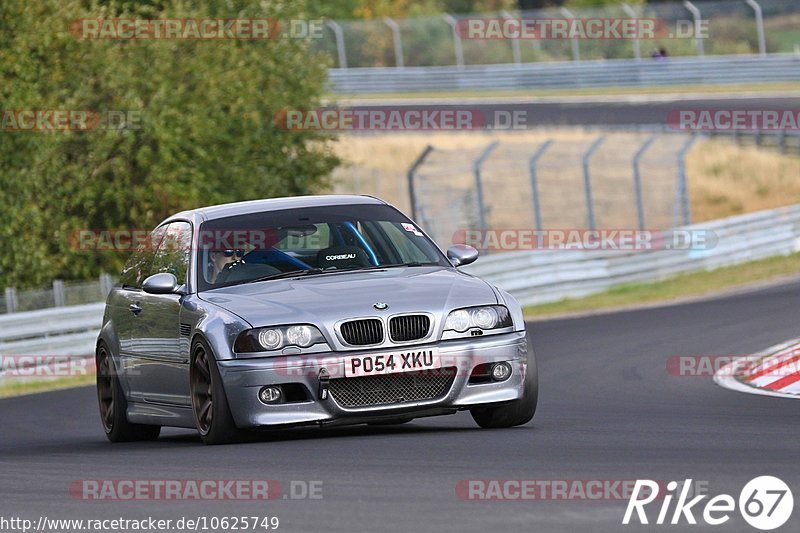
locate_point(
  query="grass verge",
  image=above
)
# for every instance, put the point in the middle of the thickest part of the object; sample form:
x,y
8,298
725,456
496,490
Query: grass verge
x,y
683,286
31,386
588,91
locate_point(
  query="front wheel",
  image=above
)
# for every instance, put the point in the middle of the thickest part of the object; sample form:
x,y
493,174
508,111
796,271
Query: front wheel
x,y
212,414
114,406
519,411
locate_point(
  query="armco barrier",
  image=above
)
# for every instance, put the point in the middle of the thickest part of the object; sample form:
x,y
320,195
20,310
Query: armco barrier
x,y
536,277
713,70
58,331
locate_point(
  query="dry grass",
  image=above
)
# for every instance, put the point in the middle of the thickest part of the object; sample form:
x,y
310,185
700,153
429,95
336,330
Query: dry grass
x,y
594,91
724,179
32,386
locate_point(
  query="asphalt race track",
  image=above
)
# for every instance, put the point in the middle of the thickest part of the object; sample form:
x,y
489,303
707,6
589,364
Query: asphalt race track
x,y
608,411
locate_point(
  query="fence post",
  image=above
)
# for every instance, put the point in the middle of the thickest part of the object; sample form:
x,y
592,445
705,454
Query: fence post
x,y
398,42
587,180
762,42
516,53
698,36
532,162
782,141
339,36
58,292
637,45
412,194
637,179
576,50
11,299
476,166
457,47
682,196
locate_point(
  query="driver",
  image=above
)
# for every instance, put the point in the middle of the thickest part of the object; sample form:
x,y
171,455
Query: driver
x,y
221,258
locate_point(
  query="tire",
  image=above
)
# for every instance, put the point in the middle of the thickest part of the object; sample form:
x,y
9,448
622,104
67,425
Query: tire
x,y
113,405
515,413
212,414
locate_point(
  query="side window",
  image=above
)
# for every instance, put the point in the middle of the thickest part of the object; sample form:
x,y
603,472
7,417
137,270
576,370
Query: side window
x,y
174,252
140,264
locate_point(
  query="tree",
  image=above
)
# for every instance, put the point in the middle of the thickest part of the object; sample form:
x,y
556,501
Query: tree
x,y
207,133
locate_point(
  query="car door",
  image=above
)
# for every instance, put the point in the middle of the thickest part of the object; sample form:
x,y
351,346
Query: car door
x,y
162,353
124,306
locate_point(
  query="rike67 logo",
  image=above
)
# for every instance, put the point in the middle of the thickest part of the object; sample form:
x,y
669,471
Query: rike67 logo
x,y
765,503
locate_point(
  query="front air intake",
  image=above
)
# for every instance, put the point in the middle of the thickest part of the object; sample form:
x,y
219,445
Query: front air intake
x,y
364,332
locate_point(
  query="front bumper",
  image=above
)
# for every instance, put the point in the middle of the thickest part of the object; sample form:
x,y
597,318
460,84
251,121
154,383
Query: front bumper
x,y
243,378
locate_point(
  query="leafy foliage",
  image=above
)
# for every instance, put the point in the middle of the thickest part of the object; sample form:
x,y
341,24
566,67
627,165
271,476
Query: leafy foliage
x,y
207,134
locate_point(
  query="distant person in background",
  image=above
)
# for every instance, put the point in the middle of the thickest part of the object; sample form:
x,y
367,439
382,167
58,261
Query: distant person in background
x,y
659,53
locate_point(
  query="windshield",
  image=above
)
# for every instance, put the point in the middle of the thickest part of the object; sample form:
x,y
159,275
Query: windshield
x,y
309,241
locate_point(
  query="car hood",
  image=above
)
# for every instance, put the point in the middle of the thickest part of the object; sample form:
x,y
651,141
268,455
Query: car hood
x,y
328,298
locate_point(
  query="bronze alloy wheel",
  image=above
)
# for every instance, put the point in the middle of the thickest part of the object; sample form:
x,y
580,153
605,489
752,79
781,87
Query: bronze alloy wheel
x,y
202,396
105,392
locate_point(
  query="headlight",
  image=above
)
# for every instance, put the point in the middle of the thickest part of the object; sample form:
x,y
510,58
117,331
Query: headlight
x,y
485,318
275,338
270,339
458,320
300,335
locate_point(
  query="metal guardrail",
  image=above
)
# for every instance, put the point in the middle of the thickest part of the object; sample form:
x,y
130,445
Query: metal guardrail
x,y
60,331
708,70
537,277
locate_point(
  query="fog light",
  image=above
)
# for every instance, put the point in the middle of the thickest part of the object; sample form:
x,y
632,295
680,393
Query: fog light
x,y
270,395
501,371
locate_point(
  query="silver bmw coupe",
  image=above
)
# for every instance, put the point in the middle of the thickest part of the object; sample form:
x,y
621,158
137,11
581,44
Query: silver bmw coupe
x,y
318,310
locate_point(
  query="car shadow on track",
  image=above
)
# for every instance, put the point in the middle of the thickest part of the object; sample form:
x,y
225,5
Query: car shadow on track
x,y
179,438
310,433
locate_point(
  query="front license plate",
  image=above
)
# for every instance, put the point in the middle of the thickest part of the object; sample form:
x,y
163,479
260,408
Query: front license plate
x,y
390,363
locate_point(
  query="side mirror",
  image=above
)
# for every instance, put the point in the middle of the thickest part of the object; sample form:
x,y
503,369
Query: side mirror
x,y
462,254
163,283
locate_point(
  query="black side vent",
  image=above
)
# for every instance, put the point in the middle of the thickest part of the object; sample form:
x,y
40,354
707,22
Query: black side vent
x,y
186,330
